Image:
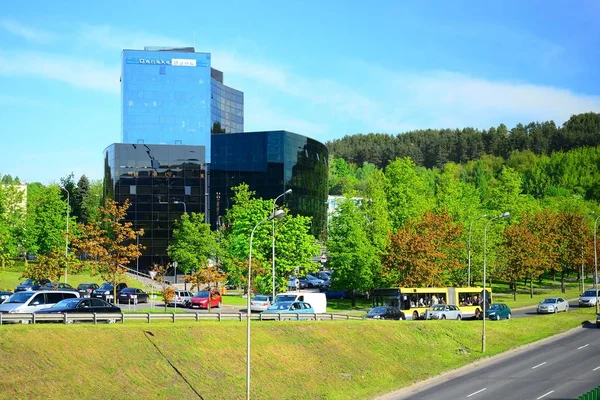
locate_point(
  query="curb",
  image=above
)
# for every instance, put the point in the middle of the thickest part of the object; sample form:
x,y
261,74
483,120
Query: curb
x,y
412,389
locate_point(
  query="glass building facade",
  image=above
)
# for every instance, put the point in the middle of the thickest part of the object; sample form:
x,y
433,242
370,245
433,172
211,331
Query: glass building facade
x,y
270,163
161,182
227,106
165,97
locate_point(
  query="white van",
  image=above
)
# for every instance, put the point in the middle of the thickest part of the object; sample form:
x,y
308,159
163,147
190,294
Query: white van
x,y
318,301
32,301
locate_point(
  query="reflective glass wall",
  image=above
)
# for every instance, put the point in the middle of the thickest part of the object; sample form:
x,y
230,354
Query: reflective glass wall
x,y
227,106
270,163
161,182
166,97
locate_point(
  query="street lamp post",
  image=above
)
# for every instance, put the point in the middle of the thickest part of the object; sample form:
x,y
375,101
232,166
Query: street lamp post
x,y
470,229
273,236
596,263
184,206
67,234
137,259
483,304
275,215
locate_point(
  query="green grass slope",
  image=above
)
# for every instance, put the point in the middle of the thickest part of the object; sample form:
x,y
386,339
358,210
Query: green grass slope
x,y
290,360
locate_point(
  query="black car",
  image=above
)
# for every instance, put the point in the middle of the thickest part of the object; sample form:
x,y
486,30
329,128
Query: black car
x,y
386,312
79,305
132,296
56,286
4,294
86,289
106,291
31,284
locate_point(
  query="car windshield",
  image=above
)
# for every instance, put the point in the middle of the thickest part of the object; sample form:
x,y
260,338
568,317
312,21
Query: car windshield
x,y
67,303
106,286
201,294
260,298
128,290
438,308
20,297
549,301
377,310
589,293
83,286
495,307
281,305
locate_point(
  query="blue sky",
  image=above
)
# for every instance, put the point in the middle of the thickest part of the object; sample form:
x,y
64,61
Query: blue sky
x,y
324,69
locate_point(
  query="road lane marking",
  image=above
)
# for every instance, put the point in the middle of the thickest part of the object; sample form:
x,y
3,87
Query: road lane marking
x,y
479,391
539,365
544,395
595,369
581,347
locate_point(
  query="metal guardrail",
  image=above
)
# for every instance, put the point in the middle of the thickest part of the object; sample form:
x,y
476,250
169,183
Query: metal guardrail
x,y
593,394
67,318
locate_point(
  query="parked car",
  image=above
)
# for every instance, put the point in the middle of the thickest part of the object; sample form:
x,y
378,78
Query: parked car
x,y
301,283
313,281
86,289
4,294
386,312
105,291
31,284
324,275
57,286
336,294
290,307
200,299
443,311
552,305
182,298
31,301
261,302
132,296
498,311
81,305
598,321
588,298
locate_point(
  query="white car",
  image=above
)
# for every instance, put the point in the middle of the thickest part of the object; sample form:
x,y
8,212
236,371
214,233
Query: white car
x,y
553,305
588,298
443,311
260,302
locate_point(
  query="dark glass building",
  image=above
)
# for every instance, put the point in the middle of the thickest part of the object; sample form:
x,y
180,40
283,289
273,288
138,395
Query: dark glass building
x,y
270,163
161,182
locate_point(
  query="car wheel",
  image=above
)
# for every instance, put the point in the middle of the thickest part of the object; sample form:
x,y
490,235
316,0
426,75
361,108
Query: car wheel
x,y
415,316
497,317
508,316
459,317
477,313
443,317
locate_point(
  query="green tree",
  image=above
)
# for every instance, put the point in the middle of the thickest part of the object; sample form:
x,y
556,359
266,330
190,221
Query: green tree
x,y
12,222
193,243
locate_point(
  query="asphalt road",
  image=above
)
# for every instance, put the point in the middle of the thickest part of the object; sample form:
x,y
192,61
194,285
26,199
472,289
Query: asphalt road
x,y
563,368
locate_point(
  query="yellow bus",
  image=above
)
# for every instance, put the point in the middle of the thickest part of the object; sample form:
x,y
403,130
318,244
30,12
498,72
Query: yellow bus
x,y
414,301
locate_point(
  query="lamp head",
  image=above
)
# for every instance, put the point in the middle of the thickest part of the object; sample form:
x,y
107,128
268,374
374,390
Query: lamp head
x,y
277,215
288,191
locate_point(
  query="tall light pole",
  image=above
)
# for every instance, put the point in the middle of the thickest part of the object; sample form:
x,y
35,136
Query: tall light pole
x,y
273,236
67,235
596,263
184,206
137,259
275,215
505,215
470,229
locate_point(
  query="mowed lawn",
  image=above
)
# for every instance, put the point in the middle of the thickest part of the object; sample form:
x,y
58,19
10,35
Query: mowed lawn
x,y
290,359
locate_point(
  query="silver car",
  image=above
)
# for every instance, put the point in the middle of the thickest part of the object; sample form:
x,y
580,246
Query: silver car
x,y
182,298
261,302
443,311
552,305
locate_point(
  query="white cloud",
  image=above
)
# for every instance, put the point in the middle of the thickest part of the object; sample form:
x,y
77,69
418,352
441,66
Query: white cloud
x,y
112,38
261,116
81,73
28,33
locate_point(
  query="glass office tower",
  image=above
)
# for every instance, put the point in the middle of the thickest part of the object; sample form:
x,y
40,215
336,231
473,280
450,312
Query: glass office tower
x,y
161,182
166,97
227,106
270,163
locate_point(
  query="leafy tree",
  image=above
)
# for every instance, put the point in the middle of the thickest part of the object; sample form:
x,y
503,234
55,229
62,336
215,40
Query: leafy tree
x,y
91,201
167,292
193,243
80,193
520,256
350,253
110,242
52,265
12,222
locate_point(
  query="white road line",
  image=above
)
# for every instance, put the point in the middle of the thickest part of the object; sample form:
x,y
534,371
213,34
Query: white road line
x,y
581,347
544,395
596,369
539,365
479,391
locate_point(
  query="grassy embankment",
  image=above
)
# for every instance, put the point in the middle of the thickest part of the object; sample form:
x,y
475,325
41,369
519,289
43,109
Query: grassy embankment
x,y
290,360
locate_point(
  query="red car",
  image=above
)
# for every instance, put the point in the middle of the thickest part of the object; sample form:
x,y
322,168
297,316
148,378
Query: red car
x,y
200,299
